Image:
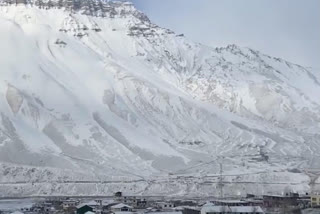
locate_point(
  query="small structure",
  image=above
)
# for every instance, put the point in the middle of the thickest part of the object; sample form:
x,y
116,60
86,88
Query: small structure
x,y
118,194
315,200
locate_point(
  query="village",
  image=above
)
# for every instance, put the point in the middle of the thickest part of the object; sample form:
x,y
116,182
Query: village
x,y
121,203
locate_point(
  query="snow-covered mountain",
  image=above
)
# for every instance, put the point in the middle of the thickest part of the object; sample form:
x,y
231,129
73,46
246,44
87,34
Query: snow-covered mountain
x,y
95,98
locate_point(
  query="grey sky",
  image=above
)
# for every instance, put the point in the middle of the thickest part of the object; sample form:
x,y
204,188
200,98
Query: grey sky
x,y
289,29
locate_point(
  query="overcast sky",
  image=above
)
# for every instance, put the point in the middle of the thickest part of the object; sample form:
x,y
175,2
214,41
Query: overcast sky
x,y
289,29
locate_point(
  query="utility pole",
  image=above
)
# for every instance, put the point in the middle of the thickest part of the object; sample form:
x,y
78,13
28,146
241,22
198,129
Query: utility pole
x,y
220,182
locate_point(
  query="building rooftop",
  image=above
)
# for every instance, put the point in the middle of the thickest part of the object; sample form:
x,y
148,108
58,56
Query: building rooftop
x,y
17,212
166,212
214,209
82,205
246,209
123,212
230,201
209,208
121,205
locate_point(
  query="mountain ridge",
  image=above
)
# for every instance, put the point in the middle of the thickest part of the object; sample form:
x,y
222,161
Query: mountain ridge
x,y
101,97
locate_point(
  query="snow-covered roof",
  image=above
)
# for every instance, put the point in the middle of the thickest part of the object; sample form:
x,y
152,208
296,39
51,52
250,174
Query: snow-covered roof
x,y
121,205
17,212
211,209
121,212
230,201
108,202
179,208
188,207
163,202
82,205
89,212
208,204
246,209
95,203
173,212
232,209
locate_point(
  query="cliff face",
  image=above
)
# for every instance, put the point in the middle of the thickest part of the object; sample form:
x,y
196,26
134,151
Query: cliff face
x,y
92,94
97,8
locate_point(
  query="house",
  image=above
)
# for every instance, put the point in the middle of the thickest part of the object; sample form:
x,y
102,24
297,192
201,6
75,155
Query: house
x,y
121,208
83,208
69,204
141,203
107,207
279,200
164,205
134,201
46,208
315,200
137,202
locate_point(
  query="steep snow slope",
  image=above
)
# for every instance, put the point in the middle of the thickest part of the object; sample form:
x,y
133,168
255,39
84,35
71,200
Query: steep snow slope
x,y
95,94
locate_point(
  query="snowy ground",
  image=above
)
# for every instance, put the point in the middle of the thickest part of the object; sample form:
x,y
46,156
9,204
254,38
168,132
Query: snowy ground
x,y
16,204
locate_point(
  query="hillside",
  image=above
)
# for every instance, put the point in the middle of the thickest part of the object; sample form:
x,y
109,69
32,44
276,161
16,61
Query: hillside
x,y
95,98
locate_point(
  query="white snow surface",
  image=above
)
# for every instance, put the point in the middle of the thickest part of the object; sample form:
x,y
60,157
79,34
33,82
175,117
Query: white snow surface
x,y
94,102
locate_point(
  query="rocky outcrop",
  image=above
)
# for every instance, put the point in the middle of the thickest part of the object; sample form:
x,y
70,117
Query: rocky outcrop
x,y
14,98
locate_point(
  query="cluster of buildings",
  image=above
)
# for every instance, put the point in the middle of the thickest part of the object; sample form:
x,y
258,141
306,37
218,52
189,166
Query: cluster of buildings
x,y
121,204
287,203
118,204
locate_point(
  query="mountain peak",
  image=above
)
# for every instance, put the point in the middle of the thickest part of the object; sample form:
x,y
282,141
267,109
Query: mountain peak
x,y
99,8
